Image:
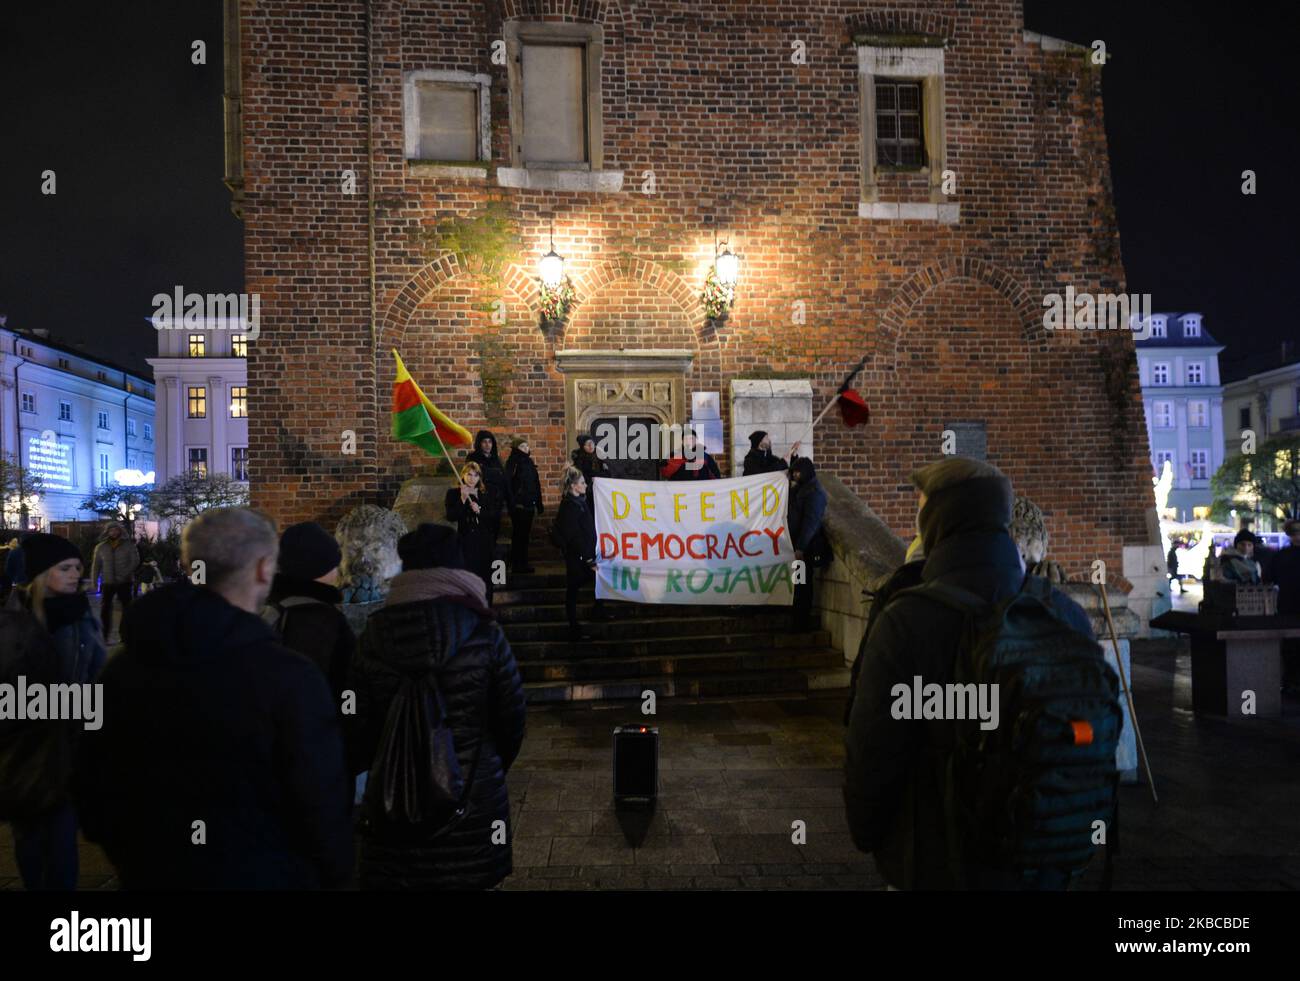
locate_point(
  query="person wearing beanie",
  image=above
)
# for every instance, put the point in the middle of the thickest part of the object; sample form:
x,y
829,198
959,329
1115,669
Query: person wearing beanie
x,y
435,626
303,605
804,516
1237,563
761,459
526,500
48,634
588,460
113,566
495,486
894,804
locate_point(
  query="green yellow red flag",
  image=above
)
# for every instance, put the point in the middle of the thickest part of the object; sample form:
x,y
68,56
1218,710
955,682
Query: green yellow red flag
x,y
417,420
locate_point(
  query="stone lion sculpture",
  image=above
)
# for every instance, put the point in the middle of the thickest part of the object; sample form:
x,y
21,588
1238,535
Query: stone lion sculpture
x,y
368,537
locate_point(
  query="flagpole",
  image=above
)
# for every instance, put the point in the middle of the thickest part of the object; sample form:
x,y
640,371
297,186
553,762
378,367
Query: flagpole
x,y
834,398
447,456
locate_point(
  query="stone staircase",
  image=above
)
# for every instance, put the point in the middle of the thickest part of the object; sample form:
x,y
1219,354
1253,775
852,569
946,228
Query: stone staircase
x,y
682,652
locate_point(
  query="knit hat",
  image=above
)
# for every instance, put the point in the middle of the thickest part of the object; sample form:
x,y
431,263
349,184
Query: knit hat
x,y
1245,536
41,552
582,439
755,438
308,551
515,441
430,546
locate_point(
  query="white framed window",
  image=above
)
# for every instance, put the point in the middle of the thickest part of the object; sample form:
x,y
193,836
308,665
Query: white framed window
x,y
239,463
148,432
1191,327
65,411
1163,457
901,96
197,345
239,401
1159,327
1163,412
197,402
1200,464
130,427
197,459
1160,373
1196,373
239,345
29,402
101,419
103,470
446,117
1198,414
556,103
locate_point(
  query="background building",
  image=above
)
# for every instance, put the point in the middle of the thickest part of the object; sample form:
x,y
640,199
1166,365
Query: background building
x,y
1266,401
907,184
72,418
1178,364
202,379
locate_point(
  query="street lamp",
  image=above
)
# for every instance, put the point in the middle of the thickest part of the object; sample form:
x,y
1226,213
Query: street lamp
x,y
551,266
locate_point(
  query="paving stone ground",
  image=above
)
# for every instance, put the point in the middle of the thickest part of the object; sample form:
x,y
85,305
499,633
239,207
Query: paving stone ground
x,y
735,775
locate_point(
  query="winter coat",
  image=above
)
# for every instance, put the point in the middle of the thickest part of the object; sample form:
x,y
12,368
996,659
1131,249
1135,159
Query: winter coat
x,y
477,533
576,526
967,545
804,518
421,630
592,467
1171,560
1286,573
1235,567
116,565
307,616
763,461
495,484
525,485
704,468
207,717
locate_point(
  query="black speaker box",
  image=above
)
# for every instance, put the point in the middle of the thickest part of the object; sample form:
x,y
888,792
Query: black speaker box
x,y
636,764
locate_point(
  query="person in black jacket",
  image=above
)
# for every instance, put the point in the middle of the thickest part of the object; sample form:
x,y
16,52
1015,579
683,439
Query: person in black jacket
x,y
435,622
965,510
804,517
526,497
496,488
692,464
220,761
304,602
761,459
469,506
590,463
576,525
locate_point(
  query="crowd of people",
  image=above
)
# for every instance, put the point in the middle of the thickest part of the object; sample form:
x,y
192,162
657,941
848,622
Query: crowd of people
x,y
250,733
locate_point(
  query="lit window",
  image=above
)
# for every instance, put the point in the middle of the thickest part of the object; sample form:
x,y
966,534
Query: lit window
x,y
199,461
103,470
198,402
238,402
197,345
239,345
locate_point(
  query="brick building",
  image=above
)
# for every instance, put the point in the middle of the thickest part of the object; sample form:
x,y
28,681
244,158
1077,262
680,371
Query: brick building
x,y
904,181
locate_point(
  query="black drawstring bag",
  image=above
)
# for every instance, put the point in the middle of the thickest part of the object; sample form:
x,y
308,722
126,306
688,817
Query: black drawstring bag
x,y
416,790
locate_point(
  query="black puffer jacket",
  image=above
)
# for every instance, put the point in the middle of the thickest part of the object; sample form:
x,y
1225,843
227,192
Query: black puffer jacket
x,y
311,623
576,527
494,476
525,485
967,545
480,683
206,717
763,461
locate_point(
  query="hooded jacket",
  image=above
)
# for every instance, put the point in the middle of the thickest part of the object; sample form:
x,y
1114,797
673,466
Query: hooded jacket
x,y
310,622
207,718
426,629
116,564
494,475
525,485
806,513
575,524
964,530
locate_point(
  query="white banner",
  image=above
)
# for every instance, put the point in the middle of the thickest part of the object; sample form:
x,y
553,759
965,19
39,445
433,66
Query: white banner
x,y
720,542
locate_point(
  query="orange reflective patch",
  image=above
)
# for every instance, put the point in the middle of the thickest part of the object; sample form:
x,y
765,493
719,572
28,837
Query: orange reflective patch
x,y
1082,733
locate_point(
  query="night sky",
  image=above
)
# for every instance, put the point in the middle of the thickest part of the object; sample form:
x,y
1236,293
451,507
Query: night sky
x,y
106,96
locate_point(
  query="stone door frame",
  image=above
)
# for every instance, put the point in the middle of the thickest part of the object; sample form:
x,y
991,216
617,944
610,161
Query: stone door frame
x,y
650,382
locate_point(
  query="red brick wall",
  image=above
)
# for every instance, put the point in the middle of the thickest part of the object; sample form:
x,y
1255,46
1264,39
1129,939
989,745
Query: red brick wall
x,y
740,141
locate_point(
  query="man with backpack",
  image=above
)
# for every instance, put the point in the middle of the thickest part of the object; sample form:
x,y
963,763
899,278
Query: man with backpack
x,y
943,799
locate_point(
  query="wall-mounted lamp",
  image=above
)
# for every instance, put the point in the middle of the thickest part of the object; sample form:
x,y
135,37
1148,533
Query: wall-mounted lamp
x,y
557,292
720,284
551,265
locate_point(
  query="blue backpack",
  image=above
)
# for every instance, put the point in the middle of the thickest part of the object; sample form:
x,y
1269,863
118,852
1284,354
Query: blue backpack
x,y
1026,796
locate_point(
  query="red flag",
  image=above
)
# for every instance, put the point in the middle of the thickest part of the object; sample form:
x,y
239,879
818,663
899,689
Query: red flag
x,y
853,408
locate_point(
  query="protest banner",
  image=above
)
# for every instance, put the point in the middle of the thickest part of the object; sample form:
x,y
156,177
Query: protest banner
x,y
715,542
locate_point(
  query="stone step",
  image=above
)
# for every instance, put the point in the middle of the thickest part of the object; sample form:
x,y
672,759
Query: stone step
x,y
611,669
684,629
723,686
668,646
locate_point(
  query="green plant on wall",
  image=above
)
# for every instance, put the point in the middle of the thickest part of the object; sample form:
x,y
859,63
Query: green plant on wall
x,y
484,243
495,368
